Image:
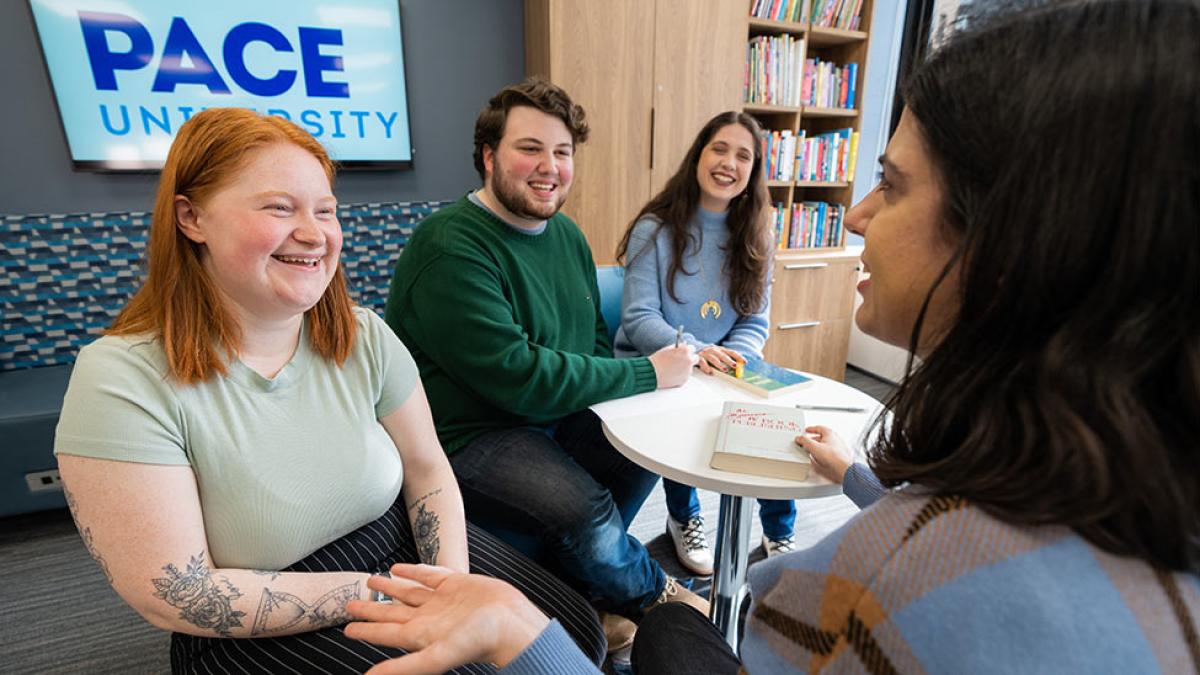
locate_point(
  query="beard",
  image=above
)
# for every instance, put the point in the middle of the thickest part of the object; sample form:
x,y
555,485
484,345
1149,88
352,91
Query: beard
x,y
511,195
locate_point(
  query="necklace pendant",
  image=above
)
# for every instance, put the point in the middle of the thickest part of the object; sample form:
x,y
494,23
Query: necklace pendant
x,y
713,307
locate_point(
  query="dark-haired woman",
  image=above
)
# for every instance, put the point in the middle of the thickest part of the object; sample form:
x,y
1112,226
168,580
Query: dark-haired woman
x,y
698,256
1040,252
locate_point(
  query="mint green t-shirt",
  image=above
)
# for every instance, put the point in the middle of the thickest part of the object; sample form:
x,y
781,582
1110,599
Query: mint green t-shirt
x,y
283,465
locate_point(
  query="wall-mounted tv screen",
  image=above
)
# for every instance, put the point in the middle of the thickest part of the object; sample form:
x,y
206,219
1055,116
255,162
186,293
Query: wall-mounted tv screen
x,y
128,73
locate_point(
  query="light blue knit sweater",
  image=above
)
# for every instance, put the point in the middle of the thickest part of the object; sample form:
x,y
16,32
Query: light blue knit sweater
x,y
650,316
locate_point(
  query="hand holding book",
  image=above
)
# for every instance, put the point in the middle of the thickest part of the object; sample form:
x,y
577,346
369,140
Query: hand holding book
x,y
829,454
757,438
720,359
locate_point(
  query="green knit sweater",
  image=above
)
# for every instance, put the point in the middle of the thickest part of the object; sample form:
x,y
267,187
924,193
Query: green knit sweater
x,y
504,326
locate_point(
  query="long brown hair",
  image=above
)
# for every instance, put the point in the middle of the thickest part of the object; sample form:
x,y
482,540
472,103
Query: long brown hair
x,y
1067,390
748,249
178,303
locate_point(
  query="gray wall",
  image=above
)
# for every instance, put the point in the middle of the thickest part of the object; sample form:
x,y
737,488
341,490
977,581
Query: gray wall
x,y
457,55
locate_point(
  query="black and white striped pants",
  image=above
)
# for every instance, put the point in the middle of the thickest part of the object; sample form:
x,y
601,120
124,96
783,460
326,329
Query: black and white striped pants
x,y
374,548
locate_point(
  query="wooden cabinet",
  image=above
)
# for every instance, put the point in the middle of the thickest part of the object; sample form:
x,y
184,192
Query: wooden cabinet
x,y
693,76
812,304
649,74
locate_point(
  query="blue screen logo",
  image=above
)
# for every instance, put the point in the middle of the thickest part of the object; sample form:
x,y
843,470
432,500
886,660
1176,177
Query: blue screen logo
x,y
127,80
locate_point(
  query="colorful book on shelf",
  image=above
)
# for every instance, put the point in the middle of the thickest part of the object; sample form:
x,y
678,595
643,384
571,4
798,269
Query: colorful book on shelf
x,y
853,156
765,378
759,439
852,80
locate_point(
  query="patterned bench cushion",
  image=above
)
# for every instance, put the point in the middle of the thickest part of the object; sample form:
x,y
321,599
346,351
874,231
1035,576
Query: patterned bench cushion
x,y
63,278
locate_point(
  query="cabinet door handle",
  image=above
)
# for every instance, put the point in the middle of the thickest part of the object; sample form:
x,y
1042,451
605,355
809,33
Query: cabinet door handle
x,y
798,324
805,266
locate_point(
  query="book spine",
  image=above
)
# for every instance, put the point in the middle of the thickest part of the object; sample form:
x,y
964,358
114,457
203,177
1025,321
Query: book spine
x,y
852,79
853,156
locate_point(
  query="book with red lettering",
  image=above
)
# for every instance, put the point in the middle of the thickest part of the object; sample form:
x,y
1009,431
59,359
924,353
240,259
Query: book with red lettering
x,y
757,438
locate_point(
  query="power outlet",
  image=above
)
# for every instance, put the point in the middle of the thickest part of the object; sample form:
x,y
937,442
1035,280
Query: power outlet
x,y
42,481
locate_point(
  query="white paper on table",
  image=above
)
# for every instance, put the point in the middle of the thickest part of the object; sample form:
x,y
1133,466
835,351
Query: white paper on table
x,y
692,393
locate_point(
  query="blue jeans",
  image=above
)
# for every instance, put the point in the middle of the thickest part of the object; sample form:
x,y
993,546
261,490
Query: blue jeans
x,y
778,515
569,488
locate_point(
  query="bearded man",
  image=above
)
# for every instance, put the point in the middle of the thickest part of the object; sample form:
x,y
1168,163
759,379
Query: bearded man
x,y
496,298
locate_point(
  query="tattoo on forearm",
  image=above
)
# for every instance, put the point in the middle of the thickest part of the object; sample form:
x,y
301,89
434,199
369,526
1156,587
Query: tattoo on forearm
x,y
425,530
278,611
85,533
274,574
201,598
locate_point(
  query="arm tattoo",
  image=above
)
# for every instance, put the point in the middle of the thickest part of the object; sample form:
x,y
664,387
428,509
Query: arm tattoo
x,y
425,530
274,574
85,533
202,599
278,611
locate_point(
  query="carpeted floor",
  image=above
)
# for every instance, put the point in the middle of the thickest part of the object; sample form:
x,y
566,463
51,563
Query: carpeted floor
x,y
58,615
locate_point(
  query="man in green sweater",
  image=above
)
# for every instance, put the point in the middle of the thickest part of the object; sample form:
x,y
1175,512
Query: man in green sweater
x,y
496,298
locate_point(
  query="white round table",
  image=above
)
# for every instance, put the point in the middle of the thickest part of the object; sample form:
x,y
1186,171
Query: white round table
x,y
672,432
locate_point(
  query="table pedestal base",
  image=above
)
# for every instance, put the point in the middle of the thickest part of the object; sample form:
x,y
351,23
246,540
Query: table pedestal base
x,y
729,577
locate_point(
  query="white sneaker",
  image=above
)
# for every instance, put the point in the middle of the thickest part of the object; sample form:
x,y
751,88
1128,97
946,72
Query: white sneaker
x,y
775,547
691,546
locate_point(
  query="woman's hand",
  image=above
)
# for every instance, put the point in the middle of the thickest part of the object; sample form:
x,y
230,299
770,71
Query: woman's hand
x,y
445,619
719,358
830,456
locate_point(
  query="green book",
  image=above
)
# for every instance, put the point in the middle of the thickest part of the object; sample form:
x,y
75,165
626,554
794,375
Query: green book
x,y
766,379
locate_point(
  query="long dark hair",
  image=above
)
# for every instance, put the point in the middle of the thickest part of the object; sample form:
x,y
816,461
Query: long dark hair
x,y
749,246
1067,140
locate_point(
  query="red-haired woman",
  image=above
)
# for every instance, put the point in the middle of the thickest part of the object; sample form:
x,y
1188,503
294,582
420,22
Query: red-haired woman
x,y
245,447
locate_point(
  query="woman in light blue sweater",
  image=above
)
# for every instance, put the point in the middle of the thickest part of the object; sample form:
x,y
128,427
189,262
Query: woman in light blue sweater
x,y
698,255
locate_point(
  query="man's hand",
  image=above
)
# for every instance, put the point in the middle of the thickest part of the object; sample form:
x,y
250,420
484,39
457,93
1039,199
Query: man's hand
x,y
719,358
830,456
445,619
673,365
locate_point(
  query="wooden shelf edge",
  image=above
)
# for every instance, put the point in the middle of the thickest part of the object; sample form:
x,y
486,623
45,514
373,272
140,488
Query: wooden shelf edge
x,y
779,183
828,112
772,26
760,108
818,36
828,37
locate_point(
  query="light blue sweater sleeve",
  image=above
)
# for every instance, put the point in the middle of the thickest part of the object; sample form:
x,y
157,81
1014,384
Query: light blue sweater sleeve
x,y
862,486
643,324
552,653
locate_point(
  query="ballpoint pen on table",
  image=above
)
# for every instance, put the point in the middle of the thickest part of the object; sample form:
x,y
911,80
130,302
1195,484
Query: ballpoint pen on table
x,y
831,408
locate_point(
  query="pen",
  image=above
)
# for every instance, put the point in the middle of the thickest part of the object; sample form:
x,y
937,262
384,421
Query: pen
x,y
831,408
679,335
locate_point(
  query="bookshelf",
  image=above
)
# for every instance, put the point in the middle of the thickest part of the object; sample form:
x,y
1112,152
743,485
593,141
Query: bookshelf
x,y
813,288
